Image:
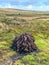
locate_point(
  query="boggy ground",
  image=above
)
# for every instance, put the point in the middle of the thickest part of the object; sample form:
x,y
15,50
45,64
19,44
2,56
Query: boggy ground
x,y
12,24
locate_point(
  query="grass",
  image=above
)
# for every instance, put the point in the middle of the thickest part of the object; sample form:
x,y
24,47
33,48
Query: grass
x,y
14,24
40,58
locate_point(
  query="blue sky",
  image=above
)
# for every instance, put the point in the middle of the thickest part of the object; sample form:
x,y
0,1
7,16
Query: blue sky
x,y
37,5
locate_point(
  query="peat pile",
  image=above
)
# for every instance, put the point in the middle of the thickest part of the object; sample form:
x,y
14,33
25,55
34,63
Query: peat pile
x,y
24,43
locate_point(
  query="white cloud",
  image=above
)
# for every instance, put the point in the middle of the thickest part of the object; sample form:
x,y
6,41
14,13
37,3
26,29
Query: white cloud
x,y
28,7
41,8
6,5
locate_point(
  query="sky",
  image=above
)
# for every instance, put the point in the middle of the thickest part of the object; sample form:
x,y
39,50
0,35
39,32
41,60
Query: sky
x,y
35,5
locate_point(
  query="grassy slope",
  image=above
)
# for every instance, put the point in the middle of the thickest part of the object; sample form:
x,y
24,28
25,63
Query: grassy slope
x,y
14,23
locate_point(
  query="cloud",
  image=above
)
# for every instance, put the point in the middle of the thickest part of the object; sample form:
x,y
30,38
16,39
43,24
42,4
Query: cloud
x,y
6,5
29,6
36,8
26,7
41,8
22,2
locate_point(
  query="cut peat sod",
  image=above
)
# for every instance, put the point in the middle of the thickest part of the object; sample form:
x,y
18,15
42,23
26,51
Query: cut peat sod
x,y
24,44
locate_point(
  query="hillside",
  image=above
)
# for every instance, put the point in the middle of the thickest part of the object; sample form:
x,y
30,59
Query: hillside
x,y
15,22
